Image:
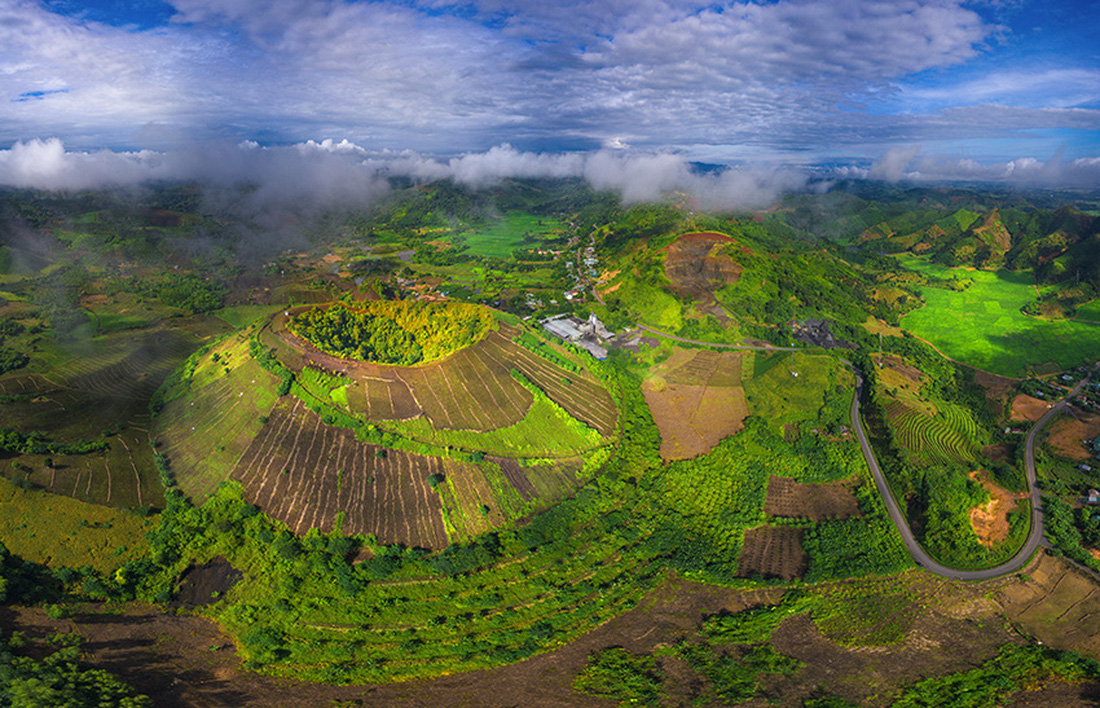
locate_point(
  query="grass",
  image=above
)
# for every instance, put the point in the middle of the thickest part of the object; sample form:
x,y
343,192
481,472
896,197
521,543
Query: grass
x,y
60,531
241,315
546,430
205,432
984,327
788,387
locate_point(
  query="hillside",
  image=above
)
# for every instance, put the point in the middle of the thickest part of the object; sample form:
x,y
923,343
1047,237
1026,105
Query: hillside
x,y
358,451
469,439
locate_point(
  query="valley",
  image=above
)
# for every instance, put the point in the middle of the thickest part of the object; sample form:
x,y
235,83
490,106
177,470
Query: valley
x,y
830,461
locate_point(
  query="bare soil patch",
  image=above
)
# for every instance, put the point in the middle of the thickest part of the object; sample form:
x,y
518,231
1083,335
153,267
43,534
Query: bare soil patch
x,y
990,521
772,552
696,400
1069,431
1025,407
697,263
792,499
203,584
693,419
1056,602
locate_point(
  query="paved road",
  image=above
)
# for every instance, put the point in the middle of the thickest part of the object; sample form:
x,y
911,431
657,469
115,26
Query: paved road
x,y
761,347
922,559
1034,540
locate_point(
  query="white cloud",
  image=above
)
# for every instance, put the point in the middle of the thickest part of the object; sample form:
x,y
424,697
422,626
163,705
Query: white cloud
x,y
891,166
343,173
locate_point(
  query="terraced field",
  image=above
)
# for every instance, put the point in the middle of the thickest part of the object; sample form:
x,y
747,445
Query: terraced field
x,y
306,474
96,389
947,437
471,390
295,461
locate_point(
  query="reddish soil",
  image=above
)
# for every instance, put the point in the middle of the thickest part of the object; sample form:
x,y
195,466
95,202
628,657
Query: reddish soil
x,y
1069,432
1025,407
990,521
817,502
697,263
772,552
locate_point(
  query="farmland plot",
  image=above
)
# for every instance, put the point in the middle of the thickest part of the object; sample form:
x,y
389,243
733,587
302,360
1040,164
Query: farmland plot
x,y
306,474
772,552
949,436
696,400
547,481
380,394
477,498
100,393
578,392
204,434
470,390
791,499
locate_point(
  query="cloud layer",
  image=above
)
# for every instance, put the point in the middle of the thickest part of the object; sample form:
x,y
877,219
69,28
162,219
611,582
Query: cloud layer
x,y
328,172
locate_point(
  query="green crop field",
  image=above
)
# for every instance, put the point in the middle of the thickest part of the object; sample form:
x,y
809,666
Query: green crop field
x,y
984,327
515,230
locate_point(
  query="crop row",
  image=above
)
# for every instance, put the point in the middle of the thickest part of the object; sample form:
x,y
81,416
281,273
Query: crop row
x,y
577,392
948,437
308,474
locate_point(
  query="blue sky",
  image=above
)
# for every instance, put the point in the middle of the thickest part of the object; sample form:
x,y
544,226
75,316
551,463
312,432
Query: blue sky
x,y
963,89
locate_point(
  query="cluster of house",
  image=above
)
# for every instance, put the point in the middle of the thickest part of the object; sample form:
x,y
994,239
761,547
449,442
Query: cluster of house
x,y
589,334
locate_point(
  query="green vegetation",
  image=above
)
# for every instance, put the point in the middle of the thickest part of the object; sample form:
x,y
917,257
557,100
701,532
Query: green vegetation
x,y
549,486
985,326
58,679
546,431
393,332
618,675
62,532
1014,669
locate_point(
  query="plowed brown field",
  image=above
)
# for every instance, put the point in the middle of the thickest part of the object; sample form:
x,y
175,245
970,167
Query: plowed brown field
x,y
305,473
791,499
772,552
696,400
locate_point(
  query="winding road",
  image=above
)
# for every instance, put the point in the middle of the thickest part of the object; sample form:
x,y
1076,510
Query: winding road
x,y
1034,539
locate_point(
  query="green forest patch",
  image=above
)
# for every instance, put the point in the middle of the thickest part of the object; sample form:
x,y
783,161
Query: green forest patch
x,y
393,332
984,327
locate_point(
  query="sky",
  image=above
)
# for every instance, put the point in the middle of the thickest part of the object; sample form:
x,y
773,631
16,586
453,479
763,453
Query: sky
x,y
1007,90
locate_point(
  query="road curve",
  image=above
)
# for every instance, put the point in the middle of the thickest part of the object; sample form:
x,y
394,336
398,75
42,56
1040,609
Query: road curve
x,y
1034,539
